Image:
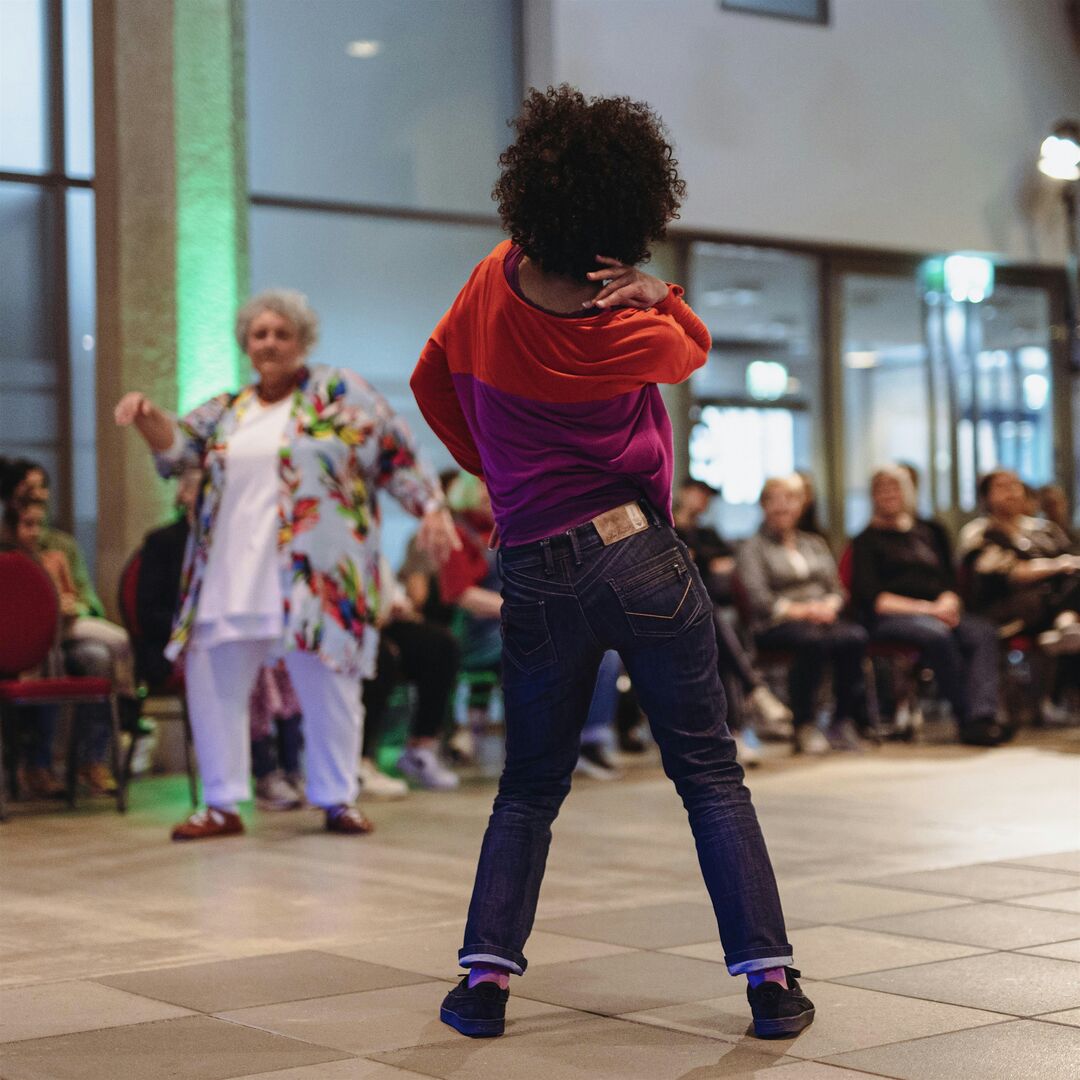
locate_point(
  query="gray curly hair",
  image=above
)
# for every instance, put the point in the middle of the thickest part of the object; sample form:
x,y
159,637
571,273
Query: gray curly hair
x,y
289,304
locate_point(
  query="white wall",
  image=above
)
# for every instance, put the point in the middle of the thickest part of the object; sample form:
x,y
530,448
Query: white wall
x,y
905,124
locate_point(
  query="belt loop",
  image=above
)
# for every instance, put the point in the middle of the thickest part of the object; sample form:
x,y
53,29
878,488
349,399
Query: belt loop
x,y
573,537
545,552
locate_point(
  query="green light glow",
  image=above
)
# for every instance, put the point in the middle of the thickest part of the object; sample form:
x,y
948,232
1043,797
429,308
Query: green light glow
x,y
211,256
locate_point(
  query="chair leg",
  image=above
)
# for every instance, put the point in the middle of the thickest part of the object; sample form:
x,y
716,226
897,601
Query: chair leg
x,y
4,771
121,786
189,759
72,756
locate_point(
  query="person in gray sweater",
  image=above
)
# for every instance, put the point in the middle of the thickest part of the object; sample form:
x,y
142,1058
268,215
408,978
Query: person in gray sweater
x,y
794,600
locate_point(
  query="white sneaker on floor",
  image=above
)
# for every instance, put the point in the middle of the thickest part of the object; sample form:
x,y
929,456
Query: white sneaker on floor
x,y
774,717
422,766
274,792
594,762
810,739
747,749
375,784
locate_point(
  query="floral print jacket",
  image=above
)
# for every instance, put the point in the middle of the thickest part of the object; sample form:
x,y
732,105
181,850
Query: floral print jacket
x,y
341,444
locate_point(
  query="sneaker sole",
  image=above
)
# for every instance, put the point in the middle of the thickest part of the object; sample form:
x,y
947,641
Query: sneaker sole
x,y
783,1027
474,1029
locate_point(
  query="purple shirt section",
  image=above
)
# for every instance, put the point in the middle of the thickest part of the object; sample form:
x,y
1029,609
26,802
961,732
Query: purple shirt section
x,y
551,466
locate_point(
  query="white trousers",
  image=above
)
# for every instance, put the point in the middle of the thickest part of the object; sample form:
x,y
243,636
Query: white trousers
x,y
219,682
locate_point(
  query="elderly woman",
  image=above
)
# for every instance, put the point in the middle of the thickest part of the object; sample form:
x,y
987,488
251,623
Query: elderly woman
x,y
795,599
1023,574
905,589
284,554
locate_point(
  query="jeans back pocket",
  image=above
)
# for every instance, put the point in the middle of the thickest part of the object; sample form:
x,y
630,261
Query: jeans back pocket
x,y
658,597
526,639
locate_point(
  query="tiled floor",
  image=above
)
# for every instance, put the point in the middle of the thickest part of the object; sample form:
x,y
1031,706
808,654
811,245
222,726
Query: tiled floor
x,y
933,896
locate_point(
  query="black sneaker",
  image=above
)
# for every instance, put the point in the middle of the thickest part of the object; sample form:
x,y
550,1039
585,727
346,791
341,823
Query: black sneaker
x,y
478,1011
778,1012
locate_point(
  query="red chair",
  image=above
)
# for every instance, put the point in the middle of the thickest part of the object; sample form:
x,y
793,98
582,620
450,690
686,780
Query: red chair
x,y
172,687
29,625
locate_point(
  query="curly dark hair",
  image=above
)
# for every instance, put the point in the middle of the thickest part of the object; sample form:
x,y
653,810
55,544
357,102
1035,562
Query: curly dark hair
x,y
587,177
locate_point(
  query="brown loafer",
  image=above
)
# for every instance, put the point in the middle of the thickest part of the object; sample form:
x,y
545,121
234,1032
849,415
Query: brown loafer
x,y
204,824
348,820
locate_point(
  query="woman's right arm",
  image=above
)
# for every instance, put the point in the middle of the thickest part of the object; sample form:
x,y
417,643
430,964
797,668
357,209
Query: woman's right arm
x,y
176,444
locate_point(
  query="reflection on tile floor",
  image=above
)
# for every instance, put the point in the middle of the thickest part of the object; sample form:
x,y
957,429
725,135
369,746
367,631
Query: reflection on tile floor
x,y
938,930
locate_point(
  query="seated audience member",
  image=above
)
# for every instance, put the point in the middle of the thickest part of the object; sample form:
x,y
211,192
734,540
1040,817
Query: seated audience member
x,y
808,518
1054,504
904,587
598,734
715,560
20,479
941,534
1023,576
470,580
275,713
795,600
426,654
90,645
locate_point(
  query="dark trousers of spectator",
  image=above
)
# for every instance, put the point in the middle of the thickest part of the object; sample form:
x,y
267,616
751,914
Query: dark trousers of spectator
x,y
816,648
737,673
424,654
279,750
964,660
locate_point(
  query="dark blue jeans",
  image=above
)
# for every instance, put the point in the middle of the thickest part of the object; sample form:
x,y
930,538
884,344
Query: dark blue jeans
x,y
566,600
964,660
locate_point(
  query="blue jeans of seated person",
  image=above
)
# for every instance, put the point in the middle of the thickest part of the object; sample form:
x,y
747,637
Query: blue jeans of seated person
x,y
567,599
964,660
598,729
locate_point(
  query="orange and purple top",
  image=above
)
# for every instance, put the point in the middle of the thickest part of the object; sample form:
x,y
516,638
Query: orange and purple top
x,y
562,416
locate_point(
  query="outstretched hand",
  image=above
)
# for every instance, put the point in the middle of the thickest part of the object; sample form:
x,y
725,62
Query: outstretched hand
x,y
437,536
130,407
626,286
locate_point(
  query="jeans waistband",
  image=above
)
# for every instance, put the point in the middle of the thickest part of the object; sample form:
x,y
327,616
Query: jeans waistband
x,y
580,538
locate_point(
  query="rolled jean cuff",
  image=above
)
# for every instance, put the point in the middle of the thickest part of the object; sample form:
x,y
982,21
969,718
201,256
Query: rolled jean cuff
x,y
761,963
515,963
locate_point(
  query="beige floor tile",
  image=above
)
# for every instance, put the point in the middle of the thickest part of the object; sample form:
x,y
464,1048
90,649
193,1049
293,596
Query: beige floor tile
x,y
380,1020
846,1019
825,952
356,1069
627,983
992,926
1066,900
1062,860
654,927
594,1049
1069,1016
1060,950
192,1048
434,951
999,982
260,980
1012,1051
812,1070
981,881
840,901
35,1012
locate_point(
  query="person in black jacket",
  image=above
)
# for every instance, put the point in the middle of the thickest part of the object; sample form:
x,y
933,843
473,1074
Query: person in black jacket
x,y
904,588
159,581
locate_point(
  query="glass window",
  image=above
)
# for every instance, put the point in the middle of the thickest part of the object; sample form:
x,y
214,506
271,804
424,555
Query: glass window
x,y
756,398
395,104
886,406
24,86
78,89
82,331
30,411
379,286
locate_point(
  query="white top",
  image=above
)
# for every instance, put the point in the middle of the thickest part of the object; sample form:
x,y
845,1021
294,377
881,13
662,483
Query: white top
x,y
241,596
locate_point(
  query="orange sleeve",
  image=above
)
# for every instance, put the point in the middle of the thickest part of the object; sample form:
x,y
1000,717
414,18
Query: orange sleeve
x,y
433,388
689,349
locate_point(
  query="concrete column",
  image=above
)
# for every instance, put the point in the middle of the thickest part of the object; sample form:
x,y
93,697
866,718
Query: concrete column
x,y
171,202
